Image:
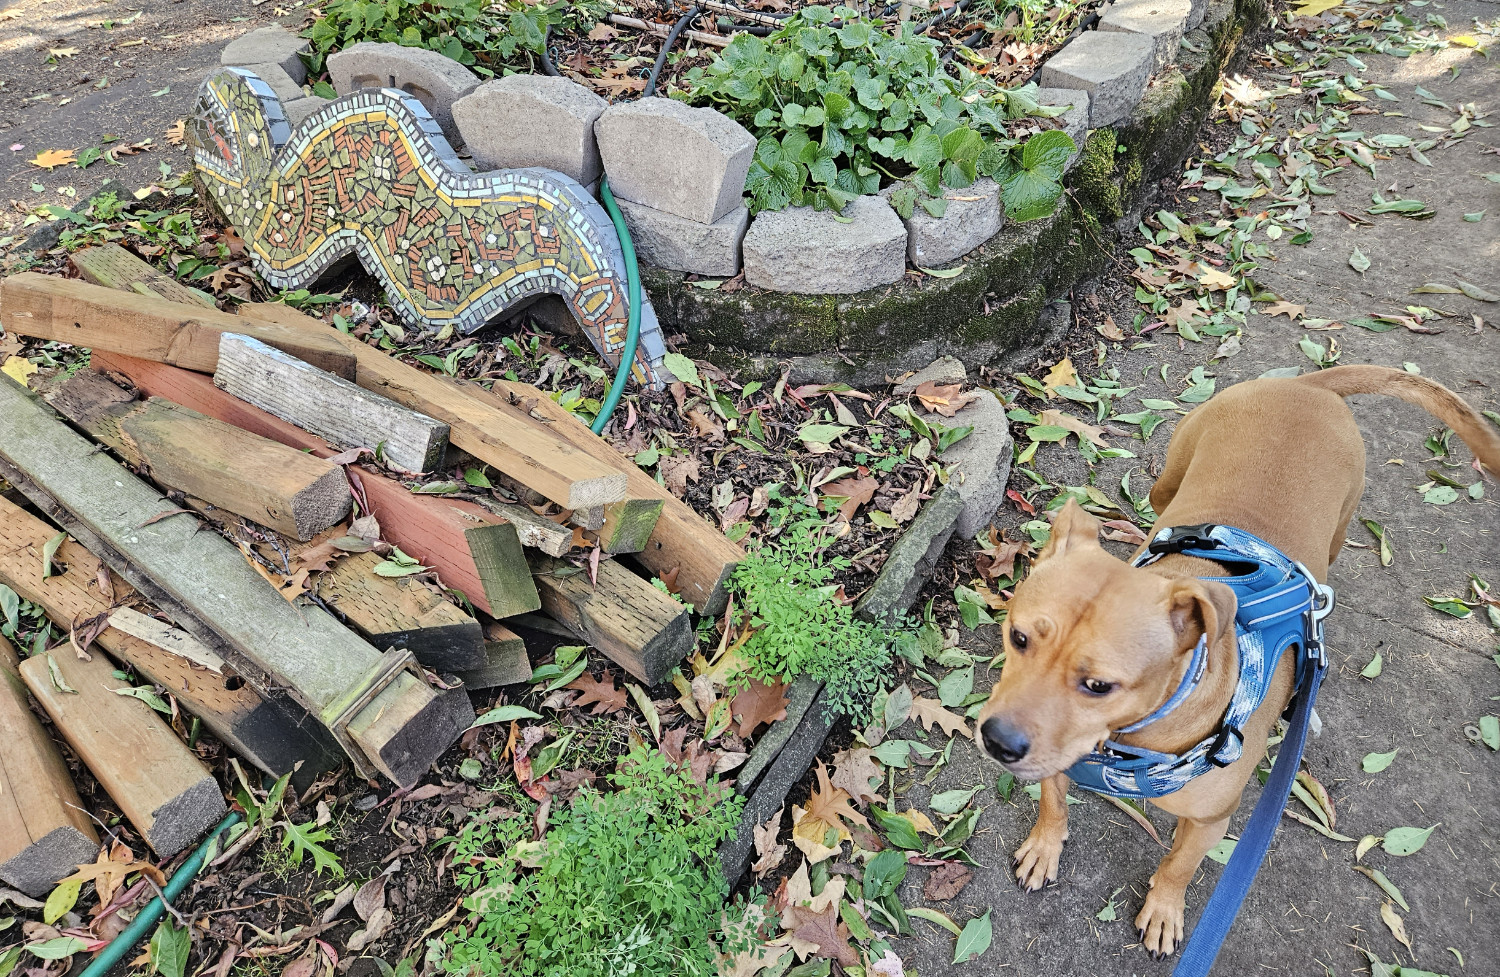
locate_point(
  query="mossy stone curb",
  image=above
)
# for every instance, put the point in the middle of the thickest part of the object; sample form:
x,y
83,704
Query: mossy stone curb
x,y
989,311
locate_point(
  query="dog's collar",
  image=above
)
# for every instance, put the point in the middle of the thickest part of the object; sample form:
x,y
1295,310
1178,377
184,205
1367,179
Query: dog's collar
x,y
1279,603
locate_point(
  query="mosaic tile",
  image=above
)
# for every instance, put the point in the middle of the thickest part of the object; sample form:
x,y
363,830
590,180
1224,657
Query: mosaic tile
x,y
371,175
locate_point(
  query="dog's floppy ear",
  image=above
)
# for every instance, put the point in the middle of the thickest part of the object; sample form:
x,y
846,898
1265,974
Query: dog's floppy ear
x,y
1072,528
1198,607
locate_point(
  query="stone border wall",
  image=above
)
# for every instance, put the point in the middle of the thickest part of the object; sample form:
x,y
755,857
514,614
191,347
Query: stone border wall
x,y
834,297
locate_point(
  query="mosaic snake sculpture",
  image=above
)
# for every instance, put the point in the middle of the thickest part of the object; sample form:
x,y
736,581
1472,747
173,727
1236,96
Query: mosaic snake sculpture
x,y
371,175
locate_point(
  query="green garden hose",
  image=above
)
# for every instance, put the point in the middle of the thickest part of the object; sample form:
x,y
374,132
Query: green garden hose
x,y
147,918
633,299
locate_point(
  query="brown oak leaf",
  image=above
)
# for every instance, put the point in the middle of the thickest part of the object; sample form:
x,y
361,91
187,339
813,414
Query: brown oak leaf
x,y
771,853
758,704
946,400
677,472
825,931
930,711
854,491
852,772
601,692
1053,417
946,882
997,560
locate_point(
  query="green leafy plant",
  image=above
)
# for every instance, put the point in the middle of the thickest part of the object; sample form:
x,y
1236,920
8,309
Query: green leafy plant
x,y
842,111
625,882
265,811
486,37
797,625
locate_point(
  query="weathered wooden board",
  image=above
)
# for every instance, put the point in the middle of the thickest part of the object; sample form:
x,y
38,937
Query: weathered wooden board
x,y
329,406
168,794
440,532
113,266
273,732
72,311
44,831
642,629
394,722
506,661
271,483
559,470
680,540
399,612
536,532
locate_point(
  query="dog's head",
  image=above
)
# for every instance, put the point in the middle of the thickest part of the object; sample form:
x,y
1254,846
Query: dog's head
x,y
1092,644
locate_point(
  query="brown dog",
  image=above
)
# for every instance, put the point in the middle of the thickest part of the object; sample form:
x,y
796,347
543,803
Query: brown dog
x,y
1094,644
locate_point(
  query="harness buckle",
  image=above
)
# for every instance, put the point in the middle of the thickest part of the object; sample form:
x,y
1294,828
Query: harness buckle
x,y
1223,753
1179,538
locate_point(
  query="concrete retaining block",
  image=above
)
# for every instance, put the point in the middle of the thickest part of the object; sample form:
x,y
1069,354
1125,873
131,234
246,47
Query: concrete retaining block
x,y
268,45
283,84
1075,121
674,158
532,120
1161,20
1195,18
941,371
299,109
974,215
1113,67
677,244
812,252
913,557
435,80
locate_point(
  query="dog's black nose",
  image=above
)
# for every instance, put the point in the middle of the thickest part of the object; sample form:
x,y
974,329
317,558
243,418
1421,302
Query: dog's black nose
x,y
1004,742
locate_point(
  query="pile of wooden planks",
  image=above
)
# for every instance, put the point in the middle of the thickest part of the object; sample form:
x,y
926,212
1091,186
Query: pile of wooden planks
x,y
242,531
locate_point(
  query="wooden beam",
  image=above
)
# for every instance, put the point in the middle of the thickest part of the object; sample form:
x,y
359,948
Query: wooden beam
x,y
162,787
558,470
272,732
386,718
399,612
506,661
628,524
112,266
273,484
450,534
703,557
536,532
44,831
640,628
330,407
72,311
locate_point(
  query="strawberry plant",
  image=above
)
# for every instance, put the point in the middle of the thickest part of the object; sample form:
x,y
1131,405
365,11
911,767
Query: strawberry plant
x,y
840,111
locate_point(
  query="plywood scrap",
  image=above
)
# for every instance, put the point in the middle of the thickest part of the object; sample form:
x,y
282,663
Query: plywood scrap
x,y
329,406
645,631
272,732
76,312
554,467
44,831
165,791
401,612
251,476
386,718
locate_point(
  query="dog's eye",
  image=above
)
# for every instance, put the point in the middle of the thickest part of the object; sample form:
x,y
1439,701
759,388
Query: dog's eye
x,y
1019,639
1097,686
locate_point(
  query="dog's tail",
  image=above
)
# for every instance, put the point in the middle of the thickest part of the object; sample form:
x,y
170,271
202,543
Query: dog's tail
x,y
1482,437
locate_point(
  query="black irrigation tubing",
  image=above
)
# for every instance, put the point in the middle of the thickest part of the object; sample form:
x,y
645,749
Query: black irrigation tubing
x,y
548,68
666,46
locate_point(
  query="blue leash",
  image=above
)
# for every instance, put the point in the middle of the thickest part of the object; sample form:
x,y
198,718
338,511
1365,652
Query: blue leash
x,y
1213,926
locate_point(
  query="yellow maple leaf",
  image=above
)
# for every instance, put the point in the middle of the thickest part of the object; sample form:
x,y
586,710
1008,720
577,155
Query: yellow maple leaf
x,y
19,369
1214,278
1061,375
1311,8
54,158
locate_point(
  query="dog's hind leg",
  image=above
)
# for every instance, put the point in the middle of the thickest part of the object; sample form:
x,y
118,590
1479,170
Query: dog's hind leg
x,y
1039,855
1160,920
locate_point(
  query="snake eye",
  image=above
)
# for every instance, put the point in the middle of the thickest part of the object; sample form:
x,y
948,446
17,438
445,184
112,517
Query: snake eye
x,y
1097,686
1019,639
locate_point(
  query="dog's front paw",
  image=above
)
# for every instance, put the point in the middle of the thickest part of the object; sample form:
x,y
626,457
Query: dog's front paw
x,y
1160,922
1037,859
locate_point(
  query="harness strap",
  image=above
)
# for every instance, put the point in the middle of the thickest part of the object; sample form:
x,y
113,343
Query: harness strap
x,y
1190,679
1234,884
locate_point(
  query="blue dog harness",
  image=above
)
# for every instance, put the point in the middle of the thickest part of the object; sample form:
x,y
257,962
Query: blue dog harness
x,y
1279,604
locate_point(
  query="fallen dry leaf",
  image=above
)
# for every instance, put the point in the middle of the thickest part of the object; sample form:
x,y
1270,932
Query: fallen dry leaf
x,y
828,808
1213,278
601,692
53,158
759,704
1054,417
854,491
1061,375
1283,307
177,132
930,711
852,772
946,881
771,853
947,400
678,471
